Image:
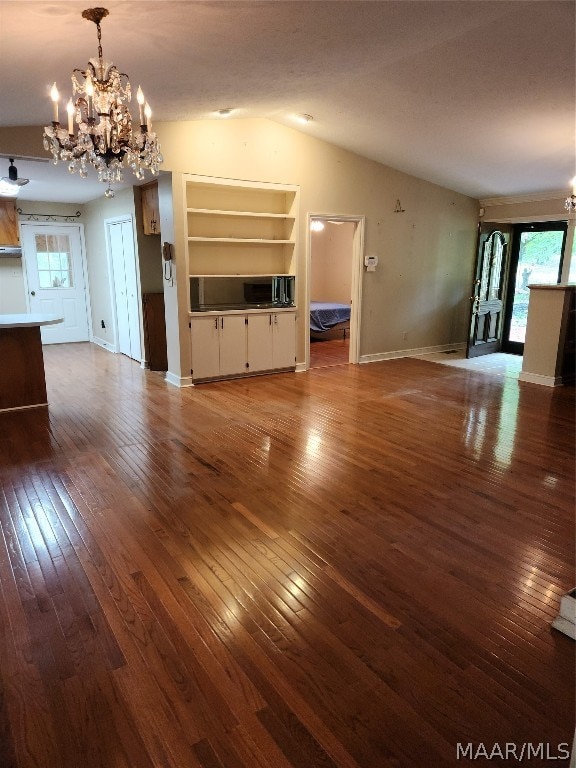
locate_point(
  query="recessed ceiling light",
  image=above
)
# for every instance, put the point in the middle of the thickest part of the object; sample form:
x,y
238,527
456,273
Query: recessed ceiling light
x,y
303,118
226,112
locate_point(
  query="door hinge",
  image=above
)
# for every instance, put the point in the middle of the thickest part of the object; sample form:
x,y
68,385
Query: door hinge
x,y
247,365
245,321
189,325
191,371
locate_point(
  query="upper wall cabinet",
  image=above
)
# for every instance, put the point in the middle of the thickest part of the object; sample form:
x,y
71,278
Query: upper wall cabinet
x,y
9,234
150,209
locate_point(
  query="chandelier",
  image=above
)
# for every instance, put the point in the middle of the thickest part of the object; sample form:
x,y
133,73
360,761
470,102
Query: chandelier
x,y
104,137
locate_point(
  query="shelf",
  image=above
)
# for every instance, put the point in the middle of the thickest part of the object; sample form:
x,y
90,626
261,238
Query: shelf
x,y
238,233
240,214
240,240
249,274
246,311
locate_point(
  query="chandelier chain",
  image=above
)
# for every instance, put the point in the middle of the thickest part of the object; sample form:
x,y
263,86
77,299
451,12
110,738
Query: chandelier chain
x,y
99,30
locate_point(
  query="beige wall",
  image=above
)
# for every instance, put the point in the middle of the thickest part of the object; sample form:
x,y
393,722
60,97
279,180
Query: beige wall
x,y
519,209
95,214
418,297
331,263
12,285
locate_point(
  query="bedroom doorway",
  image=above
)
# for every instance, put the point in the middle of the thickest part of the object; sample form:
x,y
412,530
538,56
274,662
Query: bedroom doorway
x,y
335,258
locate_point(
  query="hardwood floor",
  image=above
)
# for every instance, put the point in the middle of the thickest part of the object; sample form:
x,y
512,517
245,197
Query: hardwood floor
x,y
327,352
354,566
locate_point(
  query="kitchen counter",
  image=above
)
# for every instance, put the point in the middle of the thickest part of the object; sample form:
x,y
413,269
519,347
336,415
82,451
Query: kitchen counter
x,y
22,377
28,321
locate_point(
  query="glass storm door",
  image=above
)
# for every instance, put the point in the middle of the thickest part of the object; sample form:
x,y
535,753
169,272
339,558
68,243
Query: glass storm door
x,y
486,317
536,258
55,275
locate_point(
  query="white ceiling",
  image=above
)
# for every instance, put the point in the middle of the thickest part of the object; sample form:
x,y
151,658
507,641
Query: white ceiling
x,y
475,95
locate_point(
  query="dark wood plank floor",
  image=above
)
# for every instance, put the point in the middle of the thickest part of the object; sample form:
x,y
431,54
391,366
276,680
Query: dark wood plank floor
x,y
354,566
327,352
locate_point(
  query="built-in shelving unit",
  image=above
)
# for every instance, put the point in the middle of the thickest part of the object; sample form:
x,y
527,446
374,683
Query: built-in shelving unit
x,y
242,256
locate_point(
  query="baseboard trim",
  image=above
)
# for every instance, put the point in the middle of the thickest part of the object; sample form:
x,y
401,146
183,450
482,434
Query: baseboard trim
x,y
537,378
178,381
380,356
104,344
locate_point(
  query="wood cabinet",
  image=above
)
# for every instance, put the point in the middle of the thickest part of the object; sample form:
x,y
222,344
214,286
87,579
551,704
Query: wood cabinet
x,y
155,347
150,208
241,235
9,233
242,343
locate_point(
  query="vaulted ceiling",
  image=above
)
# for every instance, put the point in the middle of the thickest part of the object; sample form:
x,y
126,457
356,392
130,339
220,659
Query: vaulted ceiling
x,y
475,95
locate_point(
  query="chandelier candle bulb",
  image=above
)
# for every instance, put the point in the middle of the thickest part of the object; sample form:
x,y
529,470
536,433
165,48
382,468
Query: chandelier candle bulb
x,y
148,113
140,99
54,95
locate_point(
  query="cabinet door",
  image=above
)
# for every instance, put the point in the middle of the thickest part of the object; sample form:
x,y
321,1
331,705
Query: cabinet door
x,y
205,347
9,223
260,342
150,209
284,335
232,345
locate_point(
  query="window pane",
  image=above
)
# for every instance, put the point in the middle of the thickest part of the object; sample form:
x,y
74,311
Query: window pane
x,y
52,243
44,280
41,244
54,259
538,262
42,261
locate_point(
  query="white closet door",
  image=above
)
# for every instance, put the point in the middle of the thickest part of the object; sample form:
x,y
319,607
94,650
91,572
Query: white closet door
x,y
125,281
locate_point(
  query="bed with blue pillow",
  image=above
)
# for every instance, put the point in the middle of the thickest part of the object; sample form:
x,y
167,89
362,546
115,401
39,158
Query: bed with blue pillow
x,y
328,316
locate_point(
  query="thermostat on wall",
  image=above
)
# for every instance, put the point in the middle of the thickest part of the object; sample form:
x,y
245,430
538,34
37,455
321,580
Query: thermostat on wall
x,y
371,262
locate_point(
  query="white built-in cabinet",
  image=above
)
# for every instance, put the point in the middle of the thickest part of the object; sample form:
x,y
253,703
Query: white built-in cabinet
x,y
234,344
240,235
271,342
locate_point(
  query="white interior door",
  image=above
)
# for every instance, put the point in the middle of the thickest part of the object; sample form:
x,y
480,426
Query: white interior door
x,y
54,264
124,277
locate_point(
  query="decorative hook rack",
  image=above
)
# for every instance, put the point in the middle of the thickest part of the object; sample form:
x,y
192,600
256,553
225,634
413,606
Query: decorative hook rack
x,y
68,217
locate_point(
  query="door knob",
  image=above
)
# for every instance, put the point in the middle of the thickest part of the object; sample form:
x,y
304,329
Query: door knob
x,y
32,293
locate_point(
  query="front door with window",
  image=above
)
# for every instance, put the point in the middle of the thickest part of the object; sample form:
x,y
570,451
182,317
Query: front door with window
x,y
536,258
486,324
56,281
